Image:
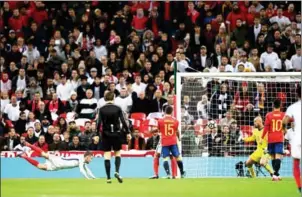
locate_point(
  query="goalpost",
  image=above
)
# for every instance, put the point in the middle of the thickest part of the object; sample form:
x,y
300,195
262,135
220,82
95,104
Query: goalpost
x,y
229,101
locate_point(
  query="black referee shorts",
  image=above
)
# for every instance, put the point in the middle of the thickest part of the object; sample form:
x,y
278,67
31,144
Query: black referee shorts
x,y
112,143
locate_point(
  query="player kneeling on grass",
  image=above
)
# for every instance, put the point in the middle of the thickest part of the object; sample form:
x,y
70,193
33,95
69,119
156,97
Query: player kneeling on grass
x,y
168,126
259,155
54,163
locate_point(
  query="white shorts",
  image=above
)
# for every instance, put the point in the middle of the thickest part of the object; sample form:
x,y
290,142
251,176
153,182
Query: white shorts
x,y
158,148
296,150
53,163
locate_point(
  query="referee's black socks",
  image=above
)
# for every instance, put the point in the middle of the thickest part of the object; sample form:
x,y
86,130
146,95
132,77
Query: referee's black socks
x,y
117,164
107,167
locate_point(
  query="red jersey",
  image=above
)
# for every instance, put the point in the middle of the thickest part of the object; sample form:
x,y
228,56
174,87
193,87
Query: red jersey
x,y
168,126
273,127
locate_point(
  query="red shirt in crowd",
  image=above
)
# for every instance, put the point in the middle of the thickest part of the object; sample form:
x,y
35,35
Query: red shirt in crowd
x,y
39,16
243,8
241,102
290,15
233,17
250,19
136,144
168,127
43,146
193,15
270,12
273,126
139,23
167,11
16,23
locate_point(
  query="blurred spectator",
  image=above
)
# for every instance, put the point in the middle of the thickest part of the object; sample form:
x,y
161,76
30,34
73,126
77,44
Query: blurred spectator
x,y
87,107
203,108
20,125
137,142
152,142
11,111
21,146
228,119
11,140
86,135
95,144
75,144
221,101
57,145
214,142
5,82
41,143
30,136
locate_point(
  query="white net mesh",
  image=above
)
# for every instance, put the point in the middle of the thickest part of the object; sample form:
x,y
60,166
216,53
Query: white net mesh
x,y
230,103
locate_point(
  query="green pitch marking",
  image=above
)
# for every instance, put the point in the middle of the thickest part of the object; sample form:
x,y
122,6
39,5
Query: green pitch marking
x,y
214,187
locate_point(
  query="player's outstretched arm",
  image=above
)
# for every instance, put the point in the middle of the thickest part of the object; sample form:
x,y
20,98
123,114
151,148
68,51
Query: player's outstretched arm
x,y
250,139
84,172
88,171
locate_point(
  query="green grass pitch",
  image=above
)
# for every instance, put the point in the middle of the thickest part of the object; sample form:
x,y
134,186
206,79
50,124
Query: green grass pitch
x,y
214,187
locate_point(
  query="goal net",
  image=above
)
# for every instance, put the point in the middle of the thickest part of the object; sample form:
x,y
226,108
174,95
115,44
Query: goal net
x,y
217,111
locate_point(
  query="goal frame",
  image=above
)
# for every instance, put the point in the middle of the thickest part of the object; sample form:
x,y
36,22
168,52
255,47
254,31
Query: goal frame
x,y
226,74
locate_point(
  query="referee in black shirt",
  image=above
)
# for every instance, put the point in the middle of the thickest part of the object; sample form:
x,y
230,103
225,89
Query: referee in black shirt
x,y
110,119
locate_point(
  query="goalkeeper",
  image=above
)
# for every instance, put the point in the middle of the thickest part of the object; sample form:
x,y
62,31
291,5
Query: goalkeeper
x,y
260,155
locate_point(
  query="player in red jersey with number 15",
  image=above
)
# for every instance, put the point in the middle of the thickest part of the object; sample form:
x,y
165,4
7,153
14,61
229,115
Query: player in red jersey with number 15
x,y
273,128
168,126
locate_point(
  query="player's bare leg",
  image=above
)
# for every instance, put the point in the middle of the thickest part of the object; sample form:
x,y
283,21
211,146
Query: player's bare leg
x,y
264,163
107,157
249,164
117,155
155,166
297,173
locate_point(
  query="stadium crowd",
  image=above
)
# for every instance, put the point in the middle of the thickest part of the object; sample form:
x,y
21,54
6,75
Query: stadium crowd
x,y
58,60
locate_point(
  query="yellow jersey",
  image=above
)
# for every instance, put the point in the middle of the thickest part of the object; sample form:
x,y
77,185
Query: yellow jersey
x,y
256,137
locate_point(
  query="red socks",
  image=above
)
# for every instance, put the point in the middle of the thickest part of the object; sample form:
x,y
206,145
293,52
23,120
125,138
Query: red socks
x,y
31,161
297,172
174,167
37,149
155,165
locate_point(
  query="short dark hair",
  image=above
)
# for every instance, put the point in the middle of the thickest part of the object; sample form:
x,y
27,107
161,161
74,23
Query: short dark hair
x,y
169,110
277,103
109,96
88,153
